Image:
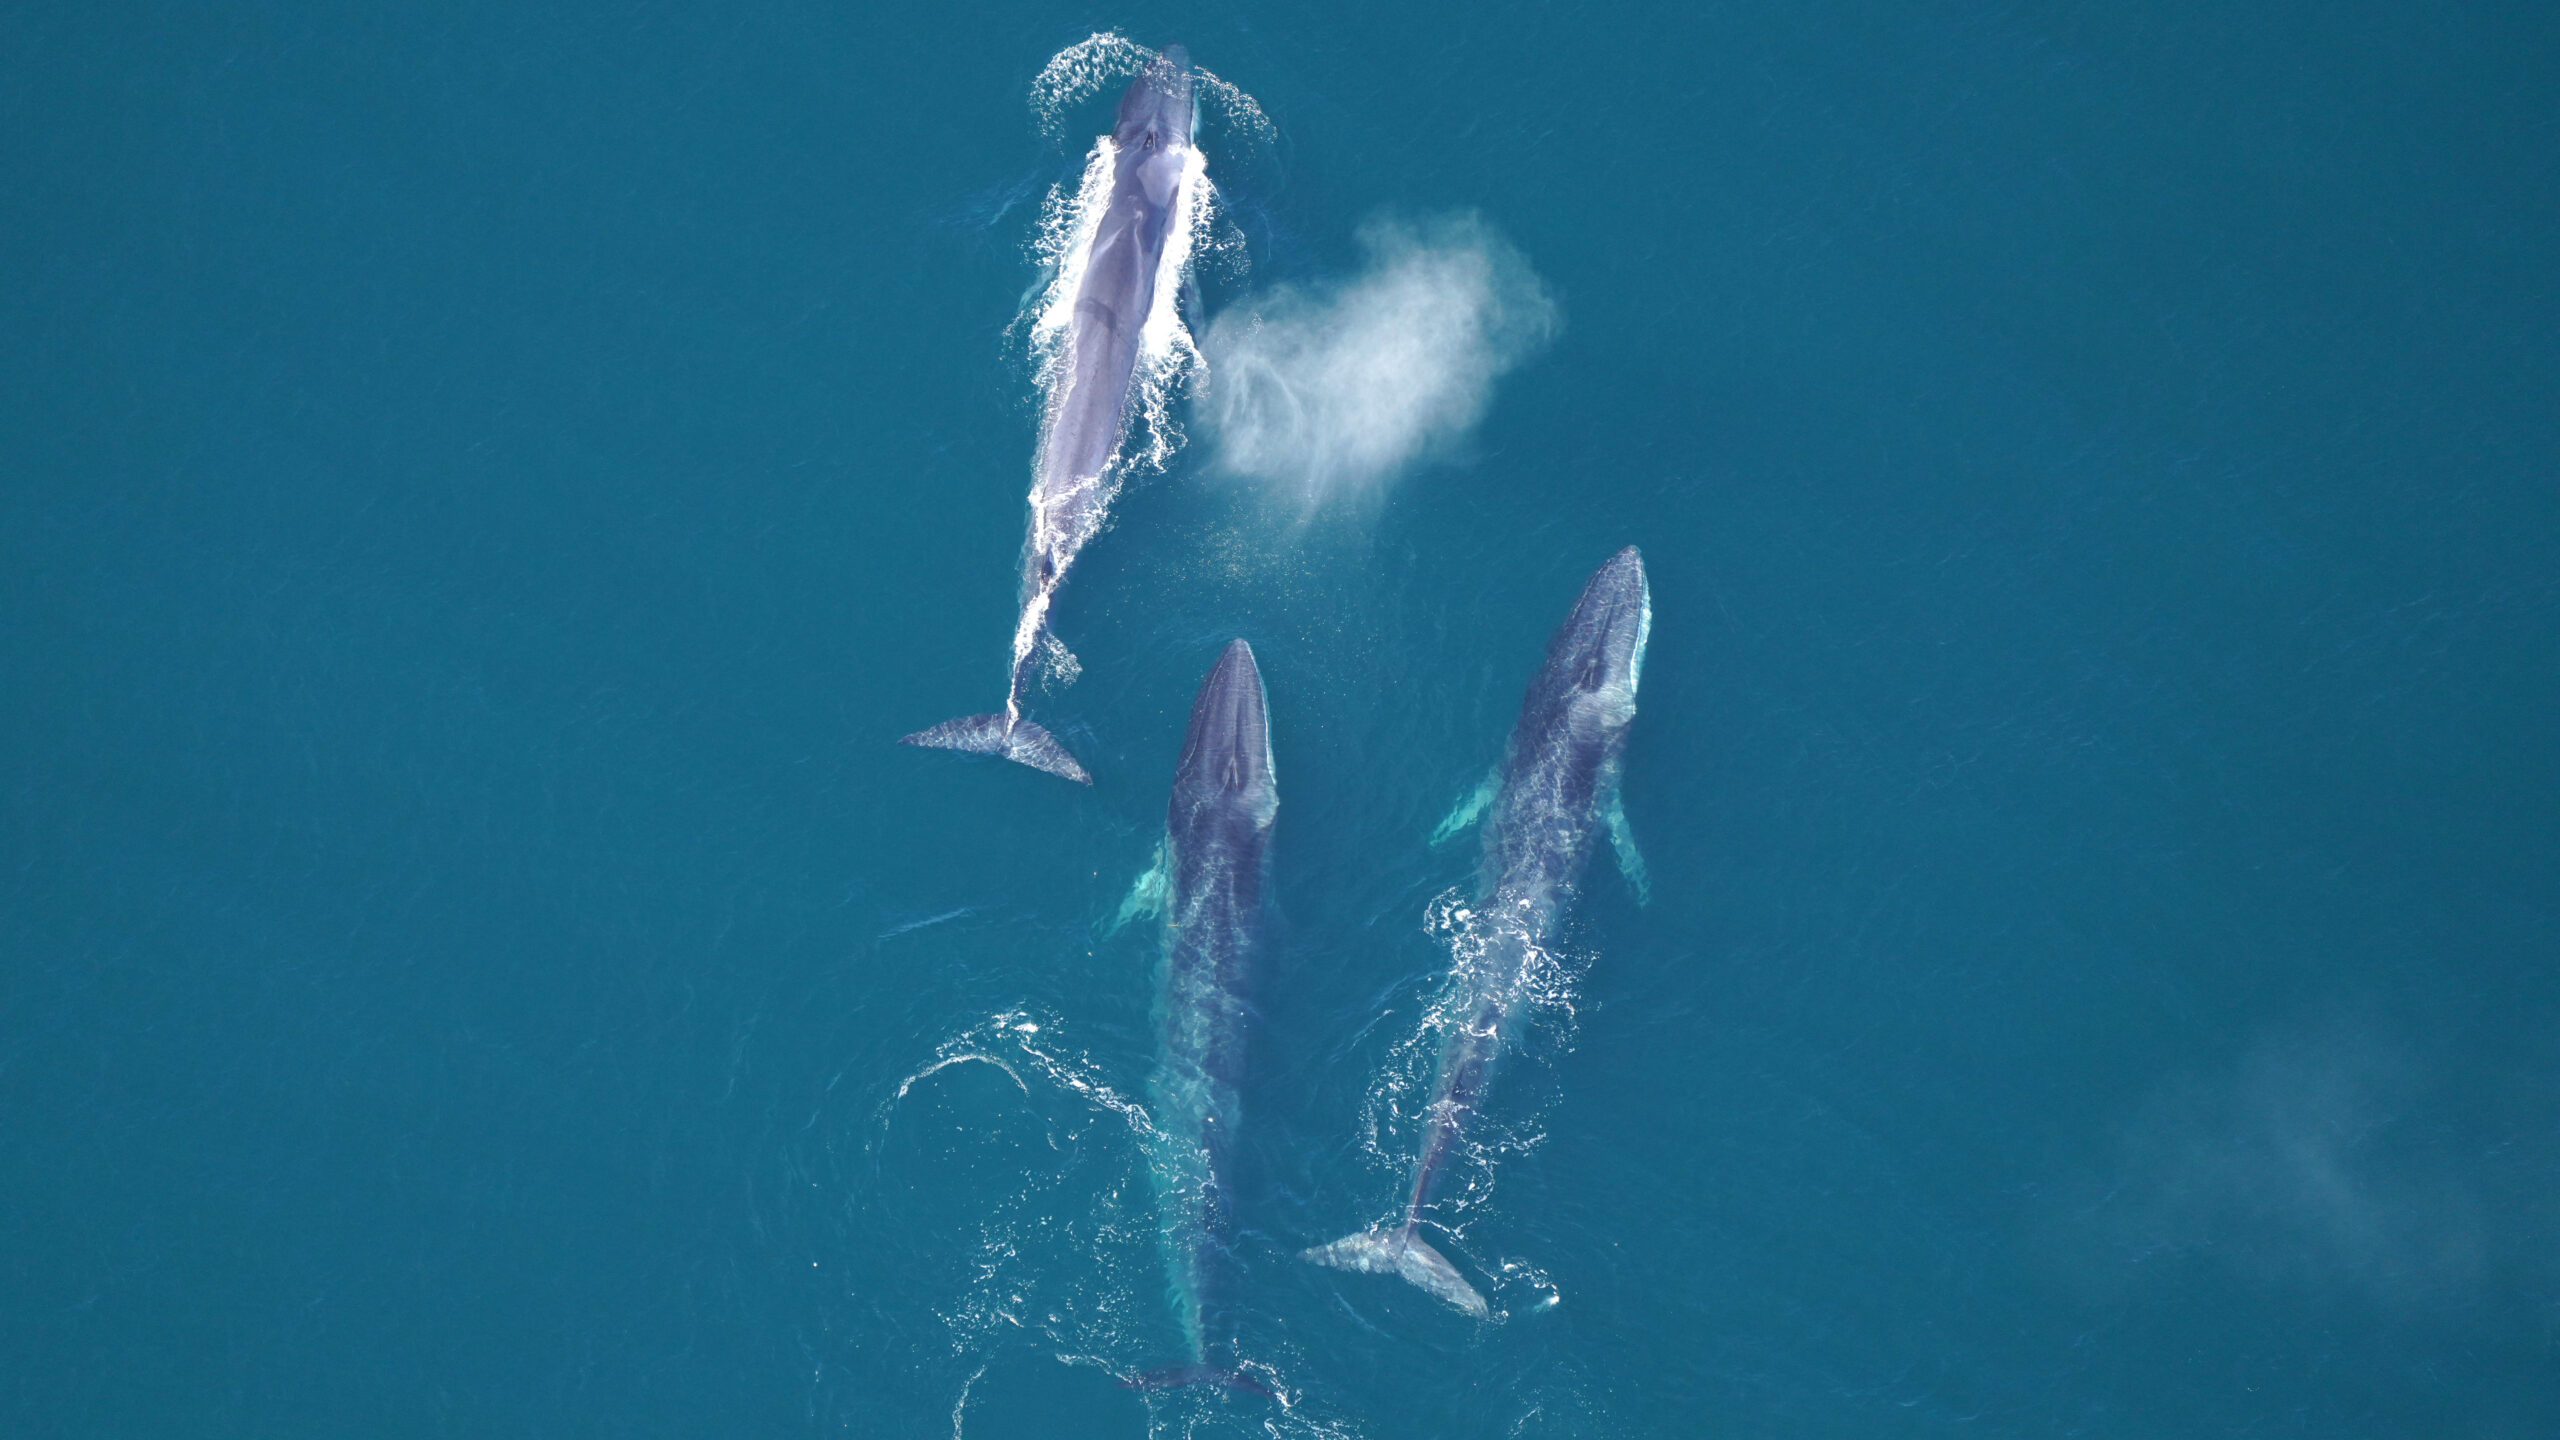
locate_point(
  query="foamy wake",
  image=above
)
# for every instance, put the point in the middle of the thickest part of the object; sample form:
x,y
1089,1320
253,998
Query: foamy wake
x,y
1103,59
1539,984
1069,1251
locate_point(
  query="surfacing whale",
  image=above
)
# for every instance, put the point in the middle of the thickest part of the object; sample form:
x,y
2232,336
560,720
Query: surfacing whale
x,y
1209,877
1153,168
1559,787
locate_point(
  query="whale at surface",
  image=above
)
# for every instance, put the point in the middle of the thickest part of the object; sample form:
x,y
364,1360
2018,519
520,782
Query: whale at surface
x,y
1215,857
1153,170
1558,791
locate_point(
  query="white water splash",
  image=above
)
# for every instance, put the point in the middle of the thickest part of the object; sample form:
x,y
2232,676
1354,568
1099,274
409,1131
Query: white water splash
x,y
1010,1041
1106,58
1236,111
1538,985
1079,72
1070,1255
1062,245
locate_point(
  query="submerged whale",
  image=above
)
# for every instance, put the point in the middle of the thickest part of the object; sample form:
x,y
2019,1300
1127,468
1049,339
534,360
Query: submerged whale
x,y
1153,167
1558,788
1209,877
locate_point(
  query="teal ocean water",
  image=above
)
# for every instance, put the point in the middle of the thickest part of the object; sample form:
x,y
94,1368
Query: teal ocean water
x,y
483,487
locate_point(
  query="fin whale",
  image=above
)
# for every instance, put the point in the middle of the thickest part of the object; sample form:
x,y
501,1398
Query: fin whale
x,y
1216,850
1072,484
1557,791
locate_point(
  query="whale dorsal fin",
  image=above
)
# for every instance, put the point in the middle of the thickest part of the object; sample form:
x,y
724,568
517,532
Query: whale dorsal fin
x,y
1456,822
1622,839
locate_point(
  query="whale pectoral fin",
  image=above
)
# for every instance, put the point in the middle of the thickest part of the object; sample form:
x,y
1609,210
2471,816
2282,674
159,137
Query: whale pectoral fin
x,y
1468,809
1407,1256
1622,838
1146,897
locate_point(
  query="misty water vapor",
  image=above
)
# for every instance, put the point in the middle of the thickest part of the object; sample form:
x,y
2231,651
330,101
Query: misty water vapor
x,y
1329,392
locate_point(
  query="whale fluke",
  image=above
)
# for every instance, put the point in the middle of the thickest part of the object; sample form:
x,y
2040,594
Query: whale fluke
x,y
1021,742
1402,1252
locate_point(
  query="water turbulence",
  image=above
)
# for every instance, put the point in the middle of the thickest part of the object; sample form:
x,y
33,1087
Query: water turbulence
x,y
1056,1244
1072,1186
1510,995
1103,59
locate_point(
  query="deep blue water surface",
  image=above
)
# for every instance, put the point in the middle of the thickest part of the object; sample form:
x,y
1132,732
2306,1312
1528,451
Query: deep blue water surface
x,y
482,486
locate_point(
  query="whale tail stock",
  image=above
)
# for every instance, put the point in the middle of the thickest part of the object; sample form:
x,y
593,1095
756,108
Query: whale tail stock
x,y
1173,1377
1017,740
1403,1252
